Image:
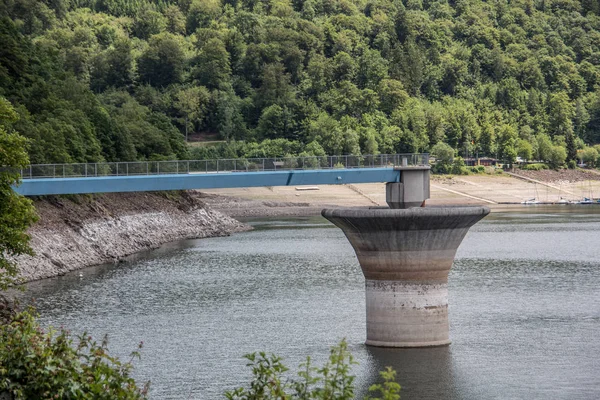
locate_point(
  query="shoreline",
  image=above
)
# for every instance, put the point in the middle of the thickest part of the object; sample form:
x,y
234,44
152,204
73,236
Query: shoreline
x,y
76,232
498,192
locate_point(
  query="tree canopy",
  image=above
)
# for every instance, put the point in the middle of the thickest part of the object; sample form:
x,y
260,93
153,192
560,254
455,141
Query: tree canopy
x,y
16,212
112,80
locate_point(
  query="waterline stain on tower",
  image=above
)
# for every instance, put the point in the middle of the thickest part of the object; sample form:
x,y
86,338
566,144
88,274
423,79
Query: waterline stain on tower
x,y
405,256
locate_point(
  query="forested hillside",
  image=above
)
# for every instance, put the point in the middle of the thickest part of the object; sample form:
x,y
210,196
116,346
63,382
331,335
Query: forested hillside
x,y
127,79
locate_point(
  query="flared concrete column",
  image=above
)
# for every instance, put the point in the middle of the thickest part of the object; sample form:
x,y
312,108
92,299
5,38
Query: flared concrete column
x,y
405,256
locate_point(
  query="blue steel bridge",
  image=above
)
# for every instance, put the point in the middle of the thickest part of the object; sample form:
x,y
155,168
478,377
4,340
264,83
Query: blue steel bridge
x,y
141,176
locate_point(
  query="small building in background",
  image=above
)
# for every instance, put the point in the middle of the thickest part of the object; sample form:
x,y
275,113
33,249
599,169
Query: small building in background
x,y
485,161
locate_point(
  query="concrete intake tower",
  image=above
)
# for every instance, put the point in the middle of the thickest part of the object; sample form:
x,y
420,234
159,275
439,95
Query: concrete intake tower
x,y
406,253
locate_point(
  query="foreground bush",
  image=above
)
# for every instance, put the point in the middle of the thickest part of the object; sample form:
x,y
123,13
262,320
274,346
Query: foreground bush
x,y
35,364
333,381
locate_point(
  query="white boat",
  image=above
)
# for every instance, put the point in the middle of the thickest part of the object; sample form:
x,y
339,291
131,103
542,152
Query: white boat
x,y
531,201
563,201
586,200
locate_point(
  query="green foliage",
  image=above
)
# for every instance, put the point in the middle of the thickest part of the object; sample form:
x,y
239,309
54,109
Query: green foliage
x,y
524,149
534,167
389,389
544,147
163,62
589,156
332,381
459,167
192,104
507,144
444,156
212,66
35,364
480,169
16,212
557,157
356,77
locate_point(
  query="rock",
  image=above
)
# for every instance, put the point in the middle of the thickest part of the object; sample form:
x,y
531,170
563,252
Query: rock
x,y
73,235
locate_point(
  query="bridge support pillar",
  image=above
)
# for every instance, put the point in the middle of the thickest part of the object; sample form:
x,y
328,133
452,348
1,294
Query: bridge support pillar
x,y
405,256
411,191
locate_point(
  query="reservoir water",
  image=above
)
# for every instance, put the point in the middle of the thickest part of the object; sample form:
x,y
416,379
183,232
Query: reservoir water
x,y
524,298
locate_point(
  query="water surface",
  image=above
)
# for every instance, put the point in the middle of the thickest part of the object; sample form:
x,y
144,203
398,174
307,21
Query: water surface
x,y
524,308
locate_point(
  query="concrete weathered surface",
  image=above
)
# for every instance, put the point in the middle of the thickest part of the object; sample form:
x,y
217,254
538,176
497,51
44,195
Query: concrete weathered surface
x,y
411,191
405,256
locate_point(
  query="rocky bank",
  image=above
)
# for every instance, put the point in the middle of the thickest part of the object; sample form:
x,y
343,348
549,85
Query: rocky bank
x,y
76,232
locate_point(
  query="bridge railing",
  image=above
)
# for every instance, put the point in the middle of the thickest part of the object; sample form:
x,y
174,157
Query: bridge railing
x,y
134,168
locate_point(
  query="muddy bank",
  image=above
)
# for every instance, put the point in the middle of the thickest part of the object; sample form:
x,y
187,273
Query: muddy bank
x,y
240,207
77,232
495,191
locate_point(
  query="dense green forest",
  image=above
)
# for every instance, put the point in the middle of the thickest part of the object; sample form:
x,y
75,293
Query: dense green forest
x,y
114,80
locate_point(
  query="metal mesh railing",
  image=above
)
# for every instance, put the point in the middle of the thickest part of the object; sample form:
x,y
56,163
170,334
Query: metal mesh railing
x,y
220,166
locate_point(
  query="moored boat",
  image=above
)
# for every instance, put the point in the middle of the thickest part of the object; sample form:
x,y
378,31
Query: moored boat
x,y
531,201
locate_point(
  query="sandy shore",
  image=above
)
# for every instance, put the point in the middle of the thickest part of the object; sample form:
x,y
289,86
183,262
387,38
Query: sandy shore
x,y
495,191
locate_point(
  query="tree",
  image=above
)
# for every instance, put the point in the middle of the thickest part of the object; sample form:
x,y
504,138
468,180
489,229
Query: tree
x,y
372,68
588,155
201,12
524,149
351,141
344,67
444,156
326,131
557,157
487,140
114,67
455,72
175,20
229,119
369,143
544,147
212,67
590,6
507,141
148,21
152,133
410,62
192,103
275,87
582,118
439,70
274,122
16,212
561,113
391,95
163,62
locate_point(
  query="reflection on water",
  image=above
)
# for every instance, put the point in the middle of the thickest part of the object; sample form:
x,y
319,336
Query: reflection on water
x,y
524,308
423,373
